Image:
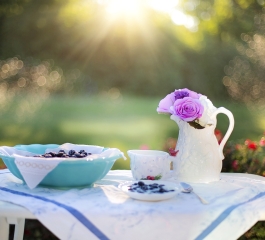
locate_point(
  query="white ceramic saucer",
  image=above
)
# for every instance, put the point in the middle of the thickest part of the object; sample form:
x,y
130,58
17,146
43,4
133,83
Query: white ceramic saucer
x,y
149,195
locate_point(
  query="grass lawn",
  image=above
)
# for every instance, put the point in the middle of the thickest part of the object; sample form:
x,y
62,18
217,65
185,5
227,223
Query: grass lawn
x,y
126,123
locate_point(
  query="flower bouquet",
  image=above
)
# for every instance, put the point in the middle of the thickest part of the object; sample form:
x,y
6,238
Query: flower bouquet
x,y
194,108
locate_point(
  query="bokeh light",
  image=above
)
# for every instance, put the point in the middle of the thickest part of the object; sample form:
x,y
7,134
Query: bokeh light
x,y
244,74
24,85
244,78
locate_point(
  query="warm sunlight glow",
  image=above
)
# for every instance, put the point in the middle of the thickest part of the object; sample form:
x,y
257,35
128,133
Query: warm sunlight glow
x,y
163,5
180,18
132,9
129,8
172,7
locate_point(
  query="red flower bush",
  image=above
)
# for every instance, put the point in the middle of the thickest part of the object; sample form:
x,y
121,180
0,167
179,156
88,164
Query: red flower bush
x,y
251,145
245,156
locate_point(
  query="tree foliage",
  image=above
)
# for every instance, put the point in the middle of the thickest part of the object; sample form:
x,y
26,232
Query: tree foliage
x,y
148,55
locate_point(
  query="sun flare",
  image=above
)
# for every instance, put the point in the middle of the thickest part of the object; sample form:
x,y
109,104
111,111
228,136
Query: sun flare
x,y
163,6
134,9
128,8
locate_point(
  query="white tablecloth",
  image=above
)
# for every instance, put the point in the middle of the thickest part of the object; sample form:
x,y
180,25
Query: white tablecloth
x,y
104,212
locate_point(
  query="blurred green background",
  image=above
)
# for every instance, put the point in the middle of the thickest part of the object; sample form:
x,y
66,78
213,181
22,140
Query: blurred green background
x,y
94,71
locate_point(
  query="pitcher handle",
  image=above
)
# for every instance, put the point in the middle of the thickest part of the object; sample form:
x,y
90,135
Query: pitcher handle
x,y
230,128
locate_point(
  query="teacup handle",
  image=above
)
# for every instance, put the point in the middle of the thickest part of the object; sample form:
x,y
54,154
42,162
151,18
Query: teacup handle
x,y
230,128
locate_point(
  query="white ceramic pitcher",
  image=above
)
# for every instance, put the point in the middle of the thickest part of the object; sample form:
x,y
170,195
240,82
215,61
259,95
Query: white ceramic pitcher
x,y
199,157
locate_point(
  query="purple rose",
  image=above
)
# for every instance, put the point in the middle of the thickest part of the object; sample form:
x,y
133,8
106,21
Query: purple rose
x,y
166,103
188,108
180,94
185,92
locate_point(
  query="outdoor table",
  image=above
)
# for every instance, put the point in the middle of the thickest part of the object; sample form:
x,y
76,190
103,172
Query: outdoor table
x,y
236,203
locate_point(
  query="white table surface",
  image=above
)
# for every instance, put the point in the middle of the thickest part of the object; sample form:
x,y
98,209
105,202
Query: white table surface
x,y
15,211
15,214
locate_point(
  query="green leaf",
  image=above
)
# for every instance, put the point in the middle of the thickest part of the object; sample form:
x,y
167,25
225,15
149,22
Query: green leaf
x,y
195,125
158,177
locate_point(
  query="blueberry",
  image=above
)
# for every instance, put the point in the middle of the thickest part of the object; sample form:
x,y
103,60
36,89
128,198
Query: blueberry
x,y
161,190
140,183
144,187
53,154
84,154
59,154
140,191
71,152
77,155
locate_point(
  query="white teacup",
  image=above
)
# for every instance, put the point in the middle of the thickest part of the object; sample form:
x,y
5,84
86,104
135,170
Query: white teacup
x,y
149,163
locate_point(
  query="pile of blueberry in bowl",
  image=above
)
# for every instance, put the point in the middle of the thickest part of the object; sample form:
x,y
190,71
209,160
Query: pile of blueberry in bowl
x,y
65,154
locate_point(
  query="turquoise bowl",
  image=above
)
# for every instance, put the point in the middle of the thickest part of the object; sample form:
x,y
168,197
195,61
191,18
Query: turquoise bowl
x,y
68,174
